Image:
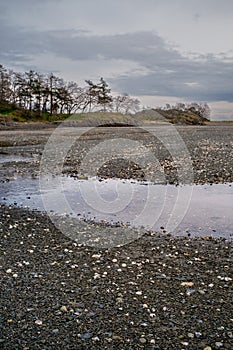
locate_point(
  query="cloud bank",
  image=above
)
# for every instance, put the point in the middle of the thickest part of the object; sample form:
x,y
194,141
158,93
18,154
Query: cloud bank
x,y
133,58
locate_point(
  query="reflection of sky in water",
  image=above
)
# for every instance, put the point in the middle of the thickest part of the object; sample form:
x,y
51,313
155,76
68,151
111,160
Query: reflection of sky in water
x,y
140,204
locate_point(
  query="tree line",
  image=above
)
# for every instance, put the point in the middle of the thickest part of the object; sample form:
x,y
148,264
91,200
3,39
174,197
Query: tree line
x,y
39,93
202,109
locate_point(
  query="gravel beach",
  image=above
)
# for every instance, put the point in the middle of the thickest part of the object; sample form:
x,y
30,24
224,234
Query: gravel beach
x,y
209,149
157,292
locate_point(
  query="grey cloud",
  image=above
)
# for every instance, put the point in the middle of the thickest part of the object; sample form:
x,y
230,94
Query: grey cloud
x,y
168,70
208,81
17,41
78,45
164,71
132,46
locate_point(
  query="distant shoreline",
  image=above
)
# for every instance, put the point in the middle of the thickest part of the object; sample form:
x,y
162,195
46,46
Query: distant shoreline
x,y
43,125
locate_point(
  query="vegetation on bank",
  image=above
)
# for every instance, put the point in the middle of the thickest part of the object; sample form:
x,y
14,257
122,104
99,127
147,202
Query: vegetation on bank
x,y
32,96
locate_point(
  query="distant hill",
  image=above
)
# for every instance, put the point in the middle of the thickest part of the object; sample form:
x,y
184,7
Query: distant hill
x,y
152,116
173,116
94,119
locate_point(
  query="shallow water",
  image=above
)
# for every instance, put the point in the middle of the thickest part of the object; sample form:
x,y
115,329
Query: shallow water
x,y
8,158
197,210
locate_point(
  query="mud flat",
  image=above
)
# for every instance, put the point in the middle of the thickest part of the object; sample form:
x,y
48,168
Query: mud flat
x,y
155,292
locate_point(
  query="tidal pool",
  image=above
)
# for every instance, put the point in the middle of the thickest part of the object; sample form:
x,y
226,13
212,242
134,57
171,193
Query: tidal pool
x,y
194,210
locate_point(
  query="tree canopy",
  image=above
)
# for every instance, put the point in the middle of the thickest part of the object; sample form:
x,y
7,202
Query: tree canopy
x,y
39,93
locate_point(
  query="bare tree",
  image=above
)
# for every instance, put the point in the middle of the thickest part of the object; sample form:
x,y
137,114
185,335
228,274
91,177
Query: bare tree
x,y
39,94
5,91
125,104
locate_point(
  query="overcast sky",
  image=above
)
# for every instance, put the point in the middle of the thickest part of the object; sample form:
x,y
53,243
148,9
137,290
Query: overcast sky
x,y
158,50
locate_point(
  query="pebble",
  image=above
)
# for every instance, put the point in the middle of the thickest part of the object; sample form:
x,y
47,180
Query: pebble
x,y
190,335
187,284
116,337
151,316
96,256
227,279
38,322
198,334
119,300
202,292
63,308
86,336
138,292
95,338
142,340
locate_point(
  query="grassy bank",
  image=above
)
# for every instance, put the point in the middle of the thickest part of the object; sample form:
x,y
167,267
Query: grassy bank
x,y
10,114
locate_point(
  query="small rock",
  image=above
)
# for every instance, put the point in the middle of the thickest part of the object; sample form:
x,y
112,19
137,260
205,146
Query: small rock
x,y
119,300
138,292
96,339
116,337
64,308
142,340
202,292
86,335
187,284
198,334
38,322
191,335
96,256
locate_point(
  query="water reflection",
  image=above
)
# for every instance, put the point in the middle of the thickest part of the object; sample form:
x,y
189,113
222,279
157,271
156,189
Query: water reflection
x,y
137,203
